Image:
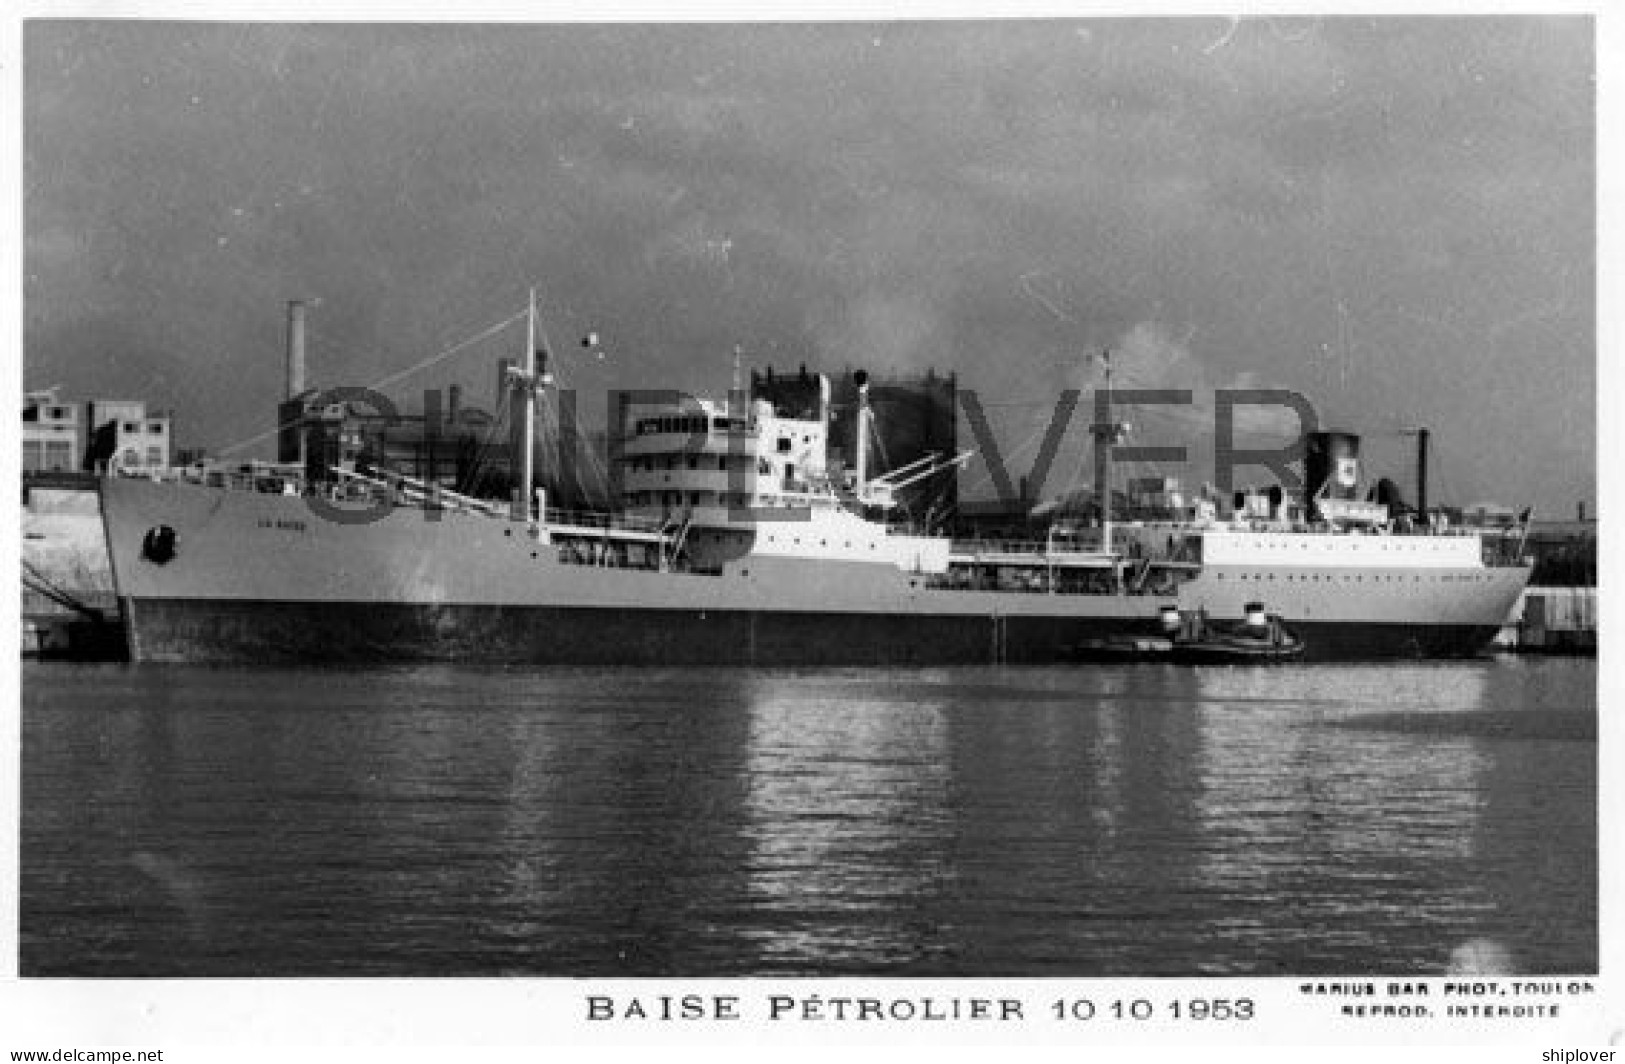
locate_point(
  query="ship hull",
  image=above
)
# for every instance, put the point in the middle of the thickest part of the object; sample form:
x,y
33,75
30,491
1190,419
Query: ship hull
x,y
250,577
253,632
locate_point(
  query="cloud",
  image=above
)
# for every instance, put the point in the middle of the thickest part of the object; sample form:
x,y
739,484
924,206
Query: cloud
x,y
1310,202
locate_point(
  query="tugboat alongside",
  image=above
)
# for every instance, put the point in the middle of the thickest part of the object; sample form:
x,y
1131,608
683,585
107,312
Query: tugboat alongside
x,y
739,541
1259,638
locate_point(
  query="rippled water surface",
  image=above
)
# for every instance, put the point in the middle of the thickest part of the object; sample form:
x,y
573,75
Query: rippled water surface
x,y
1101,820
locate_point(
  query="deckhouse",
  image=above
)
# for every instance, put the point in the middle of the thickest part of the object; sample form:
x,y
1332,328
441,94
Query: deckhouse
x,y
750,479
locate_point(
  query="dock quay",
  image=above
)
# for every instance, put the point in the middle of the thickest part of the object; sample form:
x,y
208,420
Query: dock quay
x,y
69,608
1552,620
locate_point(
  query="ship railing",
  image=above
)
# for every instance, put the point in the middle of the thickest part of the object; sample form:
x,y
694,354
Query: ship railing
x,y
1400,527
418,492
910,531
1038,548
601,519
1322,529
398,488
995,546
404,490
264,481
1504,551
1041,580
610,554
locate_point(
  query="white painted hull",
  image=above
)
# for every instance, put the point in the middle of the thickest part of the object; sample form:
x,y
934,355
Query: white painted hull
x,y
260,576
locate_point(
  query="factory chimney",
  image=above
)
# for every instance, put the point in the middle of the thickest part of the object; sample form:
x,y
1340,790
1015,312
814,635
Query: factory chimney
x,y
296,347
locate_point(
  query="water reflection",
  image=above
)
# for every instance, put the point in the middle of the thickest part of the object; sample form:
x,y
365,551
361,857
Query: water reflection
x,y
625,802
1535,845
1072,795
1144,820
848,822
1351,824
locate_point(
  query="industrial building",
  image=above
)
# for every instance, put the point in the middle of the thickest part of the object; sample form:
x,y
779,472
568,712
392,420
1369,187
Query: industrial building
x,y
914,416
448,441
53,433
125,438
98,436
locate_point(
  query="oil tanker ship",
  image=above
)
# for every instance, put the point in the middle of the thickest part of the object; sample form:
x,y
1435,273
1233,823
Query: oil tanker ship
x,y
739,542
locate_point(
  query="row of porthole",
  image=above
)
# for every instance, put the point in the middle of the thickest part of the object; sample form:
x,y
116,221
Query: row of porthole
x,y
1358,578
822,543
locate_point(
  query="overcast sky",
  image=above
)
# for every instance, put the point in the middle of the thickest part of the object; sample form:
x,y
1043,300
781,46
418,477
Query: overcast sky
x,y
1391,216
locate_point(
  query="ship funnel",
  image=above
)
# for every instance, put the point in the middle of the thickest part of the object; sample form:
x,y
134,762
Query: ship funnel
x,y
296,347
1332,465
1256,617
1170,618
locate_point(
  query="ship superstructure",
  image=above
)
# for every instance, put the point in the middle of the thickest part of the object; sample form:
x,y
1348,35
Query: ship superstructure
x,y
732,485
739,541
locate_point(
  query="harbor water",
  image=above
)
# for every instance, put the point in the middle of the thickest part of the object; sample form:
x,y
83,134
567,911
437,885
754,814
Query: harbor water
x,y
1102,820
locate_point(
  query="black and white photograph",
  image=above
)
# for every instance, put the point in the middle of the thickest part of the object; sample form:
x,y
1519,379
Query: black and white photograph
x,y
1016,527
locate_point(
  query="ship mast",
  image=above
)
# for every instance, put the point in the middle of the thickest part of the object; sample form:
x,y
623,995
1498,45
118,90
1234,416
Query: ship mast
x,y
1107,434
1111,429
525,382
